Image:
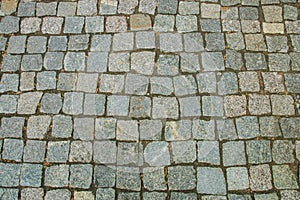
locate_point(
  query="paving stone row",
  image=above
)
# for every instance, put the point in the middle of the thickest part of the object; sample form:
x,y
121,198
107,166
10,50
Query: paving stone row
x,y
149,99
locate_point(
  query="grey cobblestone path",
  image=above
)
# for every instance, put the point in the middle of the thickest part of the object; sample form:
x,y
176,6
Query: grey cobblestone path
x,y
149,99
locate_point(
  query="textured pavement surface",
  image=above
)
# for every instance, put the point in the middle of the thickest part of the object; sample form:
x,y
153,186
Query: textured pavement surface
x,y
150,99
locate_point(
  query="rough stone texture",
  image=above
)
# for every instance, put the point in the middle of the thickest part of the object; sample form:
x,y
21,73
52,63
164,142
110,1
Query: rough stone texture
x,y
213,181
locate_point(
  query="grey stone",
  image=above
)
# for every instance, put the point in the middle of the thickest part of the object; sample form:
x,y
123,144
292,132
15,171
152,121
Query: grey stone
x,y
104,176
284,177
260,177
190,107
129,195
8,104
203,130
229,13
32,62
154,178
283,151
12,149
150,129
212,61
84,128
228,83
277,43
44,9
62,194
271,196
87,7
235,41
214,41
94,24
212,106
178,130
127,6
81,151
67,81
165,107
157,154
249,81
226,129
213,181
101,42
184,85
94,104
123,41
9,24
239,197
31,193
253,26
147,6
30,25
164,23
233,153
145,39
105,128
129,153
248,13
186,23
119,62
116,24
38,126
128,178
170,42
26,9
290,127
36,44
209,10
258,151
289,194
255,42
62,126
46,80
73,102
78,42
73,24
181,195
161,85
53,60
11,127
52,25
247,127
231,25
9,83
111,83
3,41
81,175
189,63
66,8
105,152
207,82
34,151
11,63
74,61
87,82
140,107
193,42
31,175
273,82
272,13
255,61
168,65
117,105
127,130
188,8
27,81
210,25
290,12
181,178
58,151
183,151
10,173
143,62
16,44
235,105
296,42
291,81
105,193
269,126
57,43
237,178
208,152
282,105
259,104
295,60
167,7
57,175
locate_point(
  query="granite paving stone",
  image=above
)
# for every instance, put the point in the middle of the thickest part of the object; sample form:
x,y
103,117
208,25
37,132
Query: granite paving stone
x,y
143,62
105,193
213,181
154,178
128,178
53,60
52,25
140,107
83,128
284,177
260,178
157,154
10,174
203,130
81,151
26,9
9,24
29,193
58,151
258,151
283,151
8,104
233,153
32,62
104,176
237,178
94,104
150,129
119,62
12,149
168,64
64,194
66,8
181,178
127,130
27,81
105,128
105,152
170,42
117,105
73,102
81,175
73,24
31,175
34,151
57,43
180,130
30,25
57,175
190,106
208,152
11,127
62,126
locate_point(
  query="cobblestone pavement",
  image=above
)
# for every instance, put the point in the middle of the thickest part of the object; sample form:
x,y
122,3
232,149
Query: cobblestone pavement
x,y
150,99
